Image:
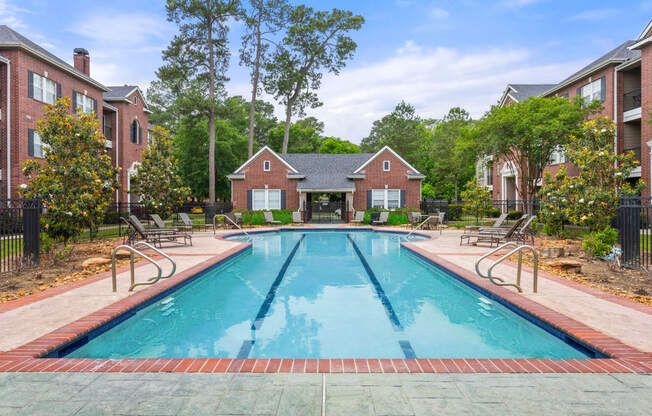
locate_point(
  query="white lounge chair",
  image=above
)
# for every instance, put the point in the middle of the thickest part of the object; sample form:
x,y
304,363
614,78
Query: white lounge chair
x,y
296,217
382,219
269,218
358,217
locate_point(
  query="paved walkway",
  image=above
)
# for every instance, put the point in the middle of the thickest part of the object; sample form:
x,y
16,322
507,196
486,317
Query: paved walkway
x,y
97,394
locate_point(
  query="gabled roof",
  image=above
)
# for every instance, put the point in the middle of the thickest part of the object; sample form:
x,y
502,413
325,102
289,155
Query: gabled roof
x,y
618,55
414,170
326,171
520,92
9,38
258,153
122,93
647,31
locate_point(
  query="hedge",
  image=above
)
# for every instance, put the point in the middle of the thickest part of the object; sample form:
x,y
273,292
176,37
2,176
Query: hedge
x,y
258,218
396,217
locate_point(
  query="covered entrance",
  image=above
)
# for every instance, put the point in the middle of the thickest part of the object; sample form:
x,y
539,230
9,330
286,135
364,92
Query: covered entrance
x,y
325,207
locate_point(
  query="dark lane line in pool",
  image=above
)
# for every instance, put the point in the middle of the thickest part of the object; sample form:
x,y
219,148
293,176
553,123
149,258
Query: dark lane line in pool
x,y
264,308
405,345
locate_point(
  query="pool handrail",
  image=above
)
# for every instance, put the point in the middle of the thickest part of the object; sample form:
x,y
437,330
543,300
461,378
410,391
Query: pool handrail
x,y
420,225
518,249
133,251
234,223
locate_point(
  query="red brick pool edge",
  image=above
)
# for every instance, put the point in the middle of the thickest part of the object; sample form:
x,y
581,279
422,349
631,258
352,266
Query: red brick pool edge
x,y
624,358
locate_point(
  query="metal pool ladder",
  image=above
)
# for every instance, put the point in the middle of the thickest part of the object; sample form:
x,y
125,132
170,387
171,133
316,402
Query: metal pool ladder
x,y
133,251
420,225
517,249
234,223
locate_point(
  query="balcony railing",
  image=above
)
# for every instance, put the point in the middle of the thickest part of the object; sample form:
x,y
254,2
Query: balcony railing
x,y
637,152
632,99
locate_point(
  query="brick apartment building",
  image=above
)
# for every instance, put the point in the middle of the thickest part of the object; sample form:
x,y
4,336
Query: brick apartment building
x,y
622,80
287,181
31,77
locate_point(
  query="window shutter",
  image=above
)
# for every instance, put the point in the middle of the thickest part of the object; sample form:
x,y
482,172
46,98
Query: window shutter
x,y
74,101
133,132
30,84
369,199
402,198
30,142
95,106
140,135
282,198
579,91
249,200
58,90
603,88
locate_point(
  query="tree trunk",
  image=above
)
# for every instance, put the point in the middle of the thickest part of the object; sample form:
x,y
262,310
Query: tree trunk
x,y
455,187
254,90
211,117
286,133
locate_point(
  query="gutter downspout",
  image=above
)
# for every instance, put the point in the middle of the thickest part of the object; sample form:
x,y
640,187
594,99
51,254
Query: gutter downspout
x,y
616,112
117,153
8,113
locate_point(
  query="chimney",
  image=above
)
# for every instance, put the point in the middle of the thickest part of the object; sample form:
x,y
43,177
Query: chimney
x,y
82,61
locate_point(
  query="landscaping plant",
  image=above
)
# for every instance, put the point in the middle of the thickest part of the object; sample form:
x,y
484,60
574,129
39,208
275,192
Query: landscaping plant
x,y
477,200
600,243
76,178
157,182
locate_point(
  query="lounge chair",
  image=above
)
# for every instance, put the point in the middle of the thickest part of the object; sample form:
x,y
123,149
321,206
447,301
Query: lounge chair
x,y
269,218
525,232
231,221
414,219
160,224
492,236
188,225
154,236
382,219
296,217
358,218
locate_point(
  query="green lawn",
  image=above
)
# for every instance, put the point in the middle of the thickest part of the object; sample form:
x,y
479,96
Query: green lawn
x,y
9,247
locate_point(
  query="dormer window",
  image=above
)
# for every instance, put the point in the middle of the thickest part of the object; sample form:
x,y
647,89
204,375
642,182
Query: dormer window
x,y
266,166
386,165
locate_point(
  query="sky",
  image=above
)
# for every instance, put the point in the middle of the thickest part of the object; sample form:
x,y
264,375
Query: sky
x,y
432,54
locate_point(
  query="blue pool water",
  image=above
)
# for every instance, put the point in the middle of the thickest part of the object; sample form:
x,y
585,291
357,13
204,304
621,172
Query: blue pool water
x,y
326,294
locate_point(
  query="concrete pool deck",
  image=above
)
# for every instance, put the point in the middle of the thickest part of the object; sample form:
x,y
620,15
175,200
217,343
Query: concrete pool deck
x,y
37,322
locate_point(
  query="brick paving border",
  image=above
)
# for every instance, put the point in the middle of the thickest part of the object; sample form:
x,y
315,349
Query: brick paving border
x,y
623,358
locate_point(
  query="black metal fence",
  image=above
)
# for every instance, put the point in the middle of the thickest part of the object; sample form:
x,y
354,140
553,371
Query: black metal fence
x,y
634,223
20,241
457,214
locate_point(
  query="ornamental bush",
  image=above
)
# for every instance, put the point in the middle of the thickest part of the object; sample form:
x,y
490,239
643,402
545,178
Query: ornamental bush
x,y
599,243
75,179
478,200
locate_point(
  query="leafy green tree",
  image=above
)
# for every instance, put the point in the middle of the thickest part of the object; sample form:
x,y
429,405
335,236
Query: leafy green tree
x,y
402,130
157,181
527,134
75,179
593,196
315,42
263,19
450,150
191,146
335,145
306,136
477,200
196,61
427,191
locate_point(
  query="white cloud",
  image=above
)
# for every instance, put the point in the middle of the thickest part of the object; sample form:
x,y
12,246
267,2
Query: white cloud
x,y
433,80
126,30
10,15
595,14
438,13
409,47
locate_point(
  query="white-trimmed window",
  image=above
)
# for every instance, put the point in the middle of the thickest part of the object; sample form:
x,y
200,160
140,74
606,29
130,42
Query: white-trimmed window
x,y
386,165
558,156
266,166
386,198
592,91
36,145
86,103
45,90
265,199
135,100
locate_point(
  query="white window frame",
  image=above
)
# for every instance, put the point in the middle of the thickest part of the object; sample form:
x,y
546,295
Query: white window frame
x,y
385,198
40,86
85,102
592,91
558,157
135,100
386,163
266,205
267,165
37,143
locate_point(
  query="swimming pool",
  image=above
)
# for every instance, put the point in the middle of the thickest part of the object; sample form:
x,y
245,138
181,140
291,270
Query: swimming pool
x,y
325,294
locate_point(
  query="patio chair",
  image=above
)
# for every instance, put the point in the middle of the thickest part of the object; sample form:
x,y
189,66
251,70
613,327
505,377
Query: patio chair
x,y
493,237
414,219
231,221
187,224
296,217
358,218
154,236
524,232
382,219
269,218
160,224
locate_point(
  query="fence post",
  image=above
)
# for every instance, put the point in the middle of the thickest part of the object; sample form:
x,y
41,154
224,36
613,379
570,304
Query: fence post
x,y
31,231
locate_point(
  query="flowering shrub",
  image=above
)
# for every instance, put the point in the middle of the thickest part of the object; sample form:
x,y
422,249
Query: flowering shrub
x,y
478,200
592,197
157,182
75,179
599,243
